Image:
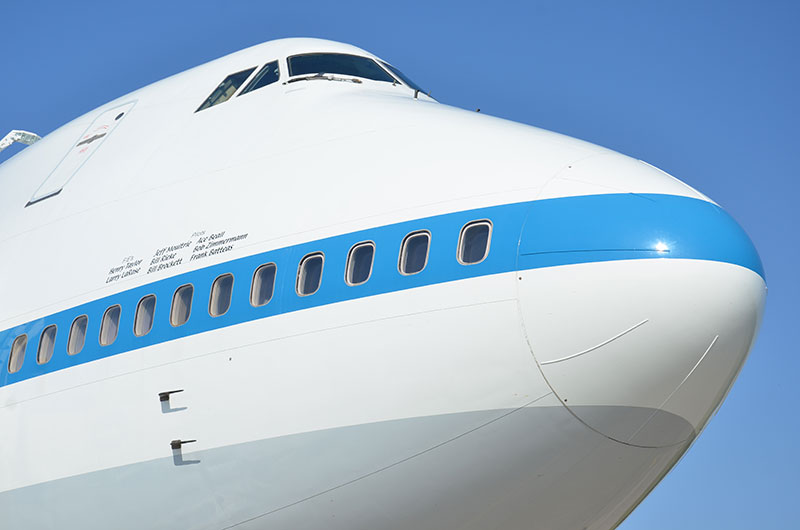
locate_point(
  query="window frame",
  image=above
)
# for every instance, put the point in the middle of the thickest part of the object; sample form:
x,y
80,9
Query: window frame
x,y
219,85
401,261
246,89
172,305
290,75
211,295
14,352
460,246
348,263
253,283
136,314
72,330
306,258
103,325
396,73
52,346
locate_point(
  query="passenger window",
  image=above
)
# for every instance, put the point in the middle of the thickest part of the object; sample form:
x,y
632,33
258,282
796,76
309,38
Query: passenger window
x,y
266,76
47,342
263,285
414,252
359,263
181,305
309,274
337,63
473,244
226,89
220,300
145,311
77,335
110,325
17,354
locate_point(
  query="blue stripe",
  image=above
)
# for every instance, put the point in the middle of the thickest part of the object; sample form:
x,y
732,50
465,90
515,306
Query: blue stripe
x,y
554,232
629,226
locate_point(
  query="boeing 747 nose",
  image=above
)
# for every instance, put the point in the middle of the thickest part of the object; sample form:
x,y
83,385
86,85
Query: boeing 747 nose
x,y
294,291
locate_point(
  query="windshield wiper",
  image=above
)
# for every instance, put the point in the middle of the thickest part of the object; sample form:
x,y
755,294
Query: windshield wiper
x,y
325,77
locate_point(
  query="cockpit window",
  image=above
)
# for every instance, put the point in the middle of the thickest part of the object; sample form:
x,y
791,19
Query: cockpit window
x,y
266,76
337,63
402,76
226,89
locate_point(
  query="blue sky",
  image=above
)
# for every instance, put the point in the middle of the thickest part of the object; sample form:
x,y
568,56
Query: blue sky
x,y
708,91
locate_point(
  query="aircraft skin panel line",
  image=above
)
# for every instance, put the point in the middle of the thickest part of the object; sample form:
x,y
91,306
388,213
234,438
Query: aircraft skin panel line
x,y
587,350
84,148
289,289
272,350
661,407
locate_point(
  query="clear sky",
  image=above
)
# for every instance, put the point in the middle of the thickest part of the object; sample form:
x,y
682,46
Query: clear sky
x,y
708,91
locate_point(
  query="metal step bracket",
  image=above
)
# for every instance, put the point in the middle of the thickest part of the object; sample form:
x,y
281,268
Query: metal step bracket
x,y
23,137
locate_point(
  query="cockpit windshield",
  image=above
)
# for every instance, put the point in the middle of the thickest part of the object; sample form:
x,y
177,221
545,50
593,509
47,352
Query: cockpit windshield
x,y
402,76
337,63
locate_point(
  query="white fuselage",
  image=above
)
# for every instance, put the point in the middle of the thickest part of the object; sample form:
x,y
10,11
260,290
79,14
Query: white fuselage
x,y
550,385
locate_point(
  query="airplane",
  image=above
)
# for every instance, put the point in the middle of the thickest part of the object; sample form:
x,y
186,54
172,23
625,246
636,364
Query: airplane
x,y
289,289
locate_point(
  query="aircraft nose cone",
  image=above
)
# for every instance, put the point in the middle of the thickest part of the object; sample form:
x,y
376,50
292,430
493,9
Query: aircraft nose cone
x,y
639,309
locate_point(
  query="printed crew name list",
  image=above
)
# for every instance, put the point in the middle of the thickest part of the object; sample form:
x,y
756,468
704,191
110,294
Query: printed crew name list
x,y
199,246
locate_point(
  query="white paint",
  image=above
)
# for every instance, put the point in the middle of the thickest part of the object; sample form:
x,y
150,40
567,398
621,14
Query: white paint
x,y
296,162
664,361
304,371
288,154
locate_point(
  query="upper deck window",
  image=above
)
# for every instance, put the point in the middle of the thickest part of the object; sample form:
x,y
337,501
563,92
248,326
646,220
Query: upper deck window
x,y
337,63
181,305
220,300
77,335
404,78
109,327
266,76
359,263
414,252
145,311
309,274
47,343
263,285
17,354
473,244
226,89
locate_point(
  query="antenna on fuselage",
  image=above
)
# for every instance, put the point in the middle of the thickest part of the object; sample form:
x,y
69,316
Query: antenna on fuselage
x,y
23,137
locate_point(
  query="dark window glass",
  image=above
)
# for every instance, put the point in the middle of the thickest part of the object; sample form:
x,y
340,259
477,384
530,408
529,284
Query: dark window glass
x,y
263,285
17,354
474,242
309,274
181,305
414,253
77,335
226,89
266,76
145,311
359,263
337,63
109,327
220,300
47,342
402,76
